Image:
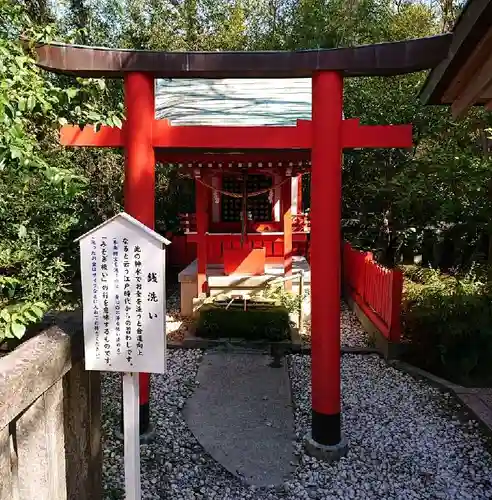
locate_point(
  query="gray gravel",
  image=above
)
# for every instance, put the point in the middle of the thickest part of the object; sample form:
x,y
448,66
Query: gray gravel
x,y
351,332
404,441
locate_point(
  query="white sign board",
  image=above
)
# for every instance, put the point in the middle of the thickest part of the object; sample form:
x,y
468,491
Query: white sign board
x,y
123,293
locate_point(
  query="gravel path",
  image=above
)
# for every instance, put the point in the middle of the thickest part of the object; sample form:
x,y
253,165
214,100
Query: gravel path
x,y
351,334
404,441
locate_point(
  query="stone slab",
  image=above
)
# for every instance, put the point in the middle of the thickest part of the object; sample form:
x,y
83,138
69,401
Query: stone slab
x,y
189,273
479,408
242,414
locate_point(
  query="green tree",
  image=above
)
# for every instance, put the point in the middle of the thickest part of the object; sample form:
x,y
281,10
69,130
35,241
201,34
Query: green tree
x,y
41,188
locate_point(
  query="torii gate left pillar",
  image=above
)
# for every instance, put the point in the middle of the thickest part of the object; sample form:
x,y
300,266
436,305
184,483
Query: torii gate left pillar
x,y
139,184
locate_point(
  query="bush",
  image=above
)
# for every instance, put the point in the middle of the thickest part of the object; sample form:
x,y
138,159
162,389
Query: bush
x,y
258,322
447,325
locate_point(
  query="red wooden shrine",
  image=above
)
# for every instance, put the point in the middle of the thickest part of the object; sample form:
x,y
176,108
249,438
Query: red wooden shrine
x,y
266,162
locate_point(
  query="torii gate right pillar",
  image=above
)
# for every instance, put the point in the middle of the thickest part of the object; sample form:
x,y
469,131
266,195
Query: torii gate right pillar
x,y
325,439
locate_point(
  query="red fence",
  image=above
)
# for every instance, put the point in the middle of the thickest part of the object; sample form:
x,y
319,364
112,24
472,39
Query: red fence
x,y
182,250
376,289
300,223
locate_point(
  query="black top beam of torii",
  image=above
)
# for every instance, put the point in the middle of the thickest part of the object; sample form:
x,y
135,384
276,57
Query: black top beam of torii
x,y
381,59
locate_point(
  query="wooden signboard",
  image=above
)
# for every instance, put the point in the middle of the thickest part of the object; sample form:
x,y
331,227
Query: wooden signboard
x,y
124,311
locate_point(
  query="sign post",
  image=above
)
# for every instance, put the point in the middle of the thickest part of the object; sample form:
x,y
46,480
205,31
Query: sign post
x,y
131,424
124,310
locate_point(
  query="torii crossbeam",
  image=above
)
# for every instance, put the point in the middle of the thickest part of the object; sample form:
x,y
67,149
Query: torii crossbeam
x,y
220,138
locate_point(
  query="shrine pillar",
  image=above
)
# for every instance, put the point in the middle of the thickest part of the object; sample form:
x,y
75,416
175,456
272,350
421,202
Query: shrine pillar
x,y
325,439
201,211
299,194
286,207
139,184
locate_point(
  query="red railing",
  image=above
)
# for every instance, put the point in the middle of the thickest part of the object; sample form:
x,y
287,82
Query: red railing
x,y
182,250
300,223
376,289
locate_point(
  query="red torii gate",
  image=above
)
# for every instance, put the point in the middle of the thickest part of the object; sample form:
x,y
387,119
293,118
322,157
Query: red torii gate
x,y
326,136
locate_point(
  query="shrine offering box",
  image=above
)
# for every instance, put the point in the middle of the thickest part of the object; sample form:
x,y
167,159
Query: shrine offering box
x,y
244,261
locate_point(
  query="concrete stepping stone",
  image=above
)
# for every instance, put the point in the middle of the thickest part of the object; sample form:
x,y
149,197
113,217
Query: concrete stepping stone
x,y
242,415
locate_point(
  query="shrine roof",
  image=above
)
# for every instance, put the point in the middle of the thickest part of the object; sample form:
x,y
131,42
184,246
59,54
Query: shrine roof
x,y
381,59
241,102
464,77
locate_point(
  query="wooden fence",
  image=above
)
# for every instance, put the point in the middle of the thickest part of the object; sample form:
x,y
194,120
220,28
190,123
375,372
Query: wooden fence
x,y
182,250
300,223
50,427
377,290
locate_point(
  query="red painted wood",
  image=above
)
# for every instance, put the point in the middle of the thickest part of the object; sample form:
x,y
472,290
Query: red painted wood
x,y
355,135
208,138
244,261
139,187
233,138
235,227
73,135
299,194
183,249
181,252
202,218
326,180
286,206
376,289
300,224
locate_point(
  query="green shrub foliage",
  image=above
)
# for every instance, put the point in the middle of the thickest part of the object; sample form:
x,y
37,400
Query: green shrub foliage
x,y
447,325
260,322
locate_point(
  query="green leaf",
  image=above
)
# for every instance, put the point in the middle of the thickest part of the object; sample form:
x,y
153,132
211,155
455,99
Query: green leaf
x,y
22,232
31,102
15,152
18,329
37,311
93,116
117,121
30,316
71,92
4,314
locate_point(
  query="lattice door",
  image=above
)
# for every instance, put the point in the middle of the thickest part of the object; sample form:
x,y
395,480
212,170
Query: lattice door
x,y
259,207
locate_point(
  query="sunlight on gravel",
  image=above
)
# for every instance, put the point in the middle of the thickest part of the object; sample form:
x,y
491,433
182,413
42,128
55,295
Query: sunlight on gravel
x,y
405,441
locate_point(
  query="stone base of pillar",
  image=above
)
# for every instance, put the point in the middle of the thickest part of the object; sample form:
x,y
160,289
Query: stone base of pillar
x,y
323,452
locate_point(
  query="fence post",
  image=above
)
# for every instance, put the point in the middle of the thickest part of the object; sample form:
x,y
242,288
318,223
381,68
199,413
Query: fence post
x,y
396,296
368,260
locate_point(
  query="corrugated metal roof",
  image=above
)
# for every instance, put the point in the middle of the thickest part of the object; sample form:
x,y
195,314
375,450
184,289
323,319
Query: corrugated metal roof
x,y
234,101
